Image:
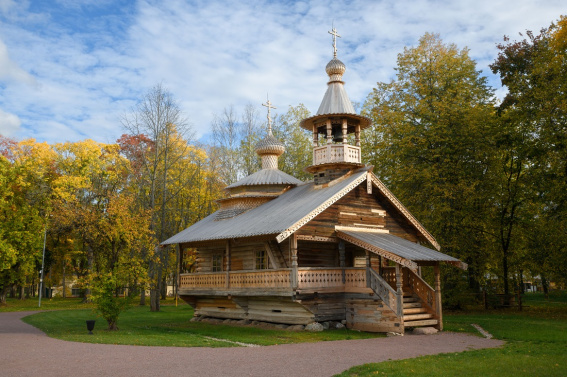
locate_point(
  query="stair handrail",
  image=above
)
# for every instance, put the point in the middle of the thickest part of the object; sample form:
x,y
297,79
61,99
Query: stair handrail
x,y
423,290
385,291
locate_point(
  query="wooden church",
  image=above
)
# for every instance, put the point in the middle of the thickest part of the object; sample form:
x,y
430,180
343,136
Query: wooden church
x,y
339,247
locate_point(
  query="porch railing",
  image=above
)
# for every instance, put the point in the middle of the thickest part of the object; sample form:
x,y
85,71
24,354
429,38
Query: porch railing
x,y
422,290
330,278
383,289
214,280
279,279
272,279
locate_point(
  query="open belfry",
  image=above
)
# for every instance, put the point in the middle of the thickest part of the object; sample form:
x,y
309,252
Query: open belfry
x,y
340,247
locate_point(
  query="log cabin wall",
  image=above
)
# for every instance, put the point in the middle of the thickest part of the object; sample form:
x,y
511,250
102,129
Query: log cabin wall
x,y
317,254
204,257
360,209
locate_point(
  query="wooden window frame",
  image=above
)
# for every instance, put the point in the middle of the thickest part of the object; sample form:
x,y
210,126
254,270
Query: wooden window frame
x,y
261,260
217,262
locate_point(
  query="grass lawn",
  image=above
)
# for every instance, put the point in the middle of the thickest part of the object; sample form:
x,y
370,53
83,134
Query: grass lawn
x,y
536,345
169,327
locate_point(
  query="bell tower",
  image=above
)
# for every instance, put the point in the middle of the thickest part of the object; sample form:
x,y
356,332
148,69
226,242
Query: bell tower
x,y
333,155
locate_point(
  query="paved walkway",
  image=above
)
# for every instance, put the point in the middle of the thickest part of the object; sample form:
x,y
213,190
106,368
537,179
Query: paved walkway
x,y
26,351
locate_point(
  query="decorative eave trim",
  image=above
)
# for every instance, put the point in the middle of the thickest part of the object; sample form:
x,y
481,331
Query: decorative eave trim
x,y
329,202
404,211
360,229
386,254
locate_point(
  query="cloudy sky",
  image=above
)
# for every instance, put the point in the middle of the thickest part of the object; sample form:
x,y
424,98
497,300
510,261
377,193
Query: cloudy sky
x,y
69,69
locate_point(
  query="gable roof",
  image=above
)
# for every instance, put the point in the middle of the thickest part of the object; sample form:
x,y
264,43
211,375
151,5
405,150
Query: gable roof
x,y
288,212
395,248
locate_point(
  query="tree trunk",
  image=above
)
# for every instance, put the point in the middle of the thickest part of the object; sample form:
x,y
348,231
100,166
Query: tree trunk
x,y
143,297
505,276
90,260
64,283
22,294
545,286
154,300
3,294
112,325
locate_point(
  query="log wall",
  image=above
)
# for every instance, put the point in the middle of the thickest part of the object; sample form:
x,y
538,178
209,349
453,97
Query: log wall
x,y
372,316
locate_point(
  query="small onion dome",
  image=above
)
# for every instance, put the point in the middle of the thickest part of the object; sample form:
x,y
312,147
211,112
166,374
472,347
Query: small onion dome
x,y
270,145
335,67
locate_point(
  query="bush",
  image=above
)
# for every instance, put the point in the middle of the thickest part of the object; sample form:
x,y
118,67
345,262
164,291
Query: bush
x,y
107,304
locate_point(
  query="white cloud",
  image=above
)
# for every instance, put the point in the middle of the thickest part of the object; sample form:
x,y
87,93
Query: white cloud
x,y
9,123
10,71
92,60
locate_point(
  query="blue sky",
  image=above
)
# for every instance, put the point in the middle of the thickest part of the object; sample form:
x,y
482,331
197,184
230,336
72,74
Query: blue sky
x,y
69,69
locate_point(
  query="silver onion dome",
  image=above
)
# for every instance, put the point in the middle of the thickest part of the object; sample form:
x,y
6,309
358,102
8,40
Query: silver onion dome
x,y
270,145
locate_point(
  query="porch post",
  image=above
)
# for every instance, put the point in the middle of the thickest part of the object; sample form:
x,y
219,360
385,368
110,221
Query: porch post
x,y
438,307
293,246
227,264
400,293
178,279
342,259
368,266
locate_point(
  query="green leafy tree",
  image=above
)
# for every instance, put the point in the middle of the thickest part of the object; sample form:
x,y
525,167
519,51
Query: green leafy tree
x,y
431,141
298,145
25,199
534,70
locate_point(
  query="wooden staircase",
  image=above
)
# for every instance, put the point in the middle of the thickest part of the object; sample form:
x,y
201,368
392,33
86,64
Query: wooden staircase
x,y
415,314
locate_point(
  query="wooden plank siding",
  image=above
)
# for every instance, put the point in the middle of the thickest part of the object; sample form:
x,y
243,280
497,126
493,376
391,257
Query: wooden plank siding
x,y
360,209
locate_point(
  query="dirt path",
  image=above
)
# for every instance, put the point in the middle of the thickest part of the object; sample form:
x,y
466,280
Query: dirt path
x,y
26,351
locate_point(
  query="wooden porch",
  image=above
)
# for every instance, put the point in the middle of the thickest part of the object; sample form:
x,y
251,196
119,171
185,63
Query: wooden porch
x,y
409,300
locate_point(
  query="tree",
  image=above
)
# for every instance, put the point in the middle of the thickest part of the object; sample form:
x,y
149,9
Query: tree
x,y
534,70
158,118
431,142
249,137
25,199
298,145
226,140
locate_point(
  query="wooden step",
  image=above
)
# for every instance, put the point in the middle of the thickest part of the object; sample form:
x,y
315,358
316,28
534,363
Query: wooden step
x,y
412,305
414,310
416,317
411,299
426,322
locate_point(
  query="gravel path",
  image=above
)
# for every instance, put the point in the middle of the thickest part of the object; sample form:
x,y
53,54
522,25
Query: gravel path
x,y
26,351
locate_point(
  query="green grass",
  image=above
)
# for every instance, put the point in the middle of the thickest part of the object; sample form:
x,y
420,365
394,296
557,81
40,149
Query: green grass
x,y
16,305
170,327
536,345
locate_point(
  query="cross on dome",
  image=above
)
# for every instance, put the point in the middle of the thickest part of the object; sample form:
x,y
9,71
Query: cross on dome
x,y
334,33
268,104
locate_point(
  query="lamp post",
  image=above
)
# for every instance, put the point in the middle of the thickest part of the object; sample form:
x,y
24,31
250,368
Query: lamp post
x,y
42,265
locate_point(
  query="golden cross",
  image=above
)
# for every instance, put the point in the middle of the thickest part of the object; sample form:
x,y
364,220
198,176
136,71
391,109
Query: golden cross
x,y
334,33
268,104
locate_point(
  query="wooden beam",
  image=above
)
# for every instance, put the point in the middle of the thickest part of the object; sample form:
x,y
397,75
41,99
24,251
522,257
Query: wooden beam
x,y
271,256
400,293
301,237
293,249
227,264
342,258
438,304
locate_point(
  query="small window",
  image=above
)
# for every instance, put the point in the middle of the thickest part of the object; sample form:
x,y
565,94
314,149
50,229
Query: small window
x,y
217,262
261,260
